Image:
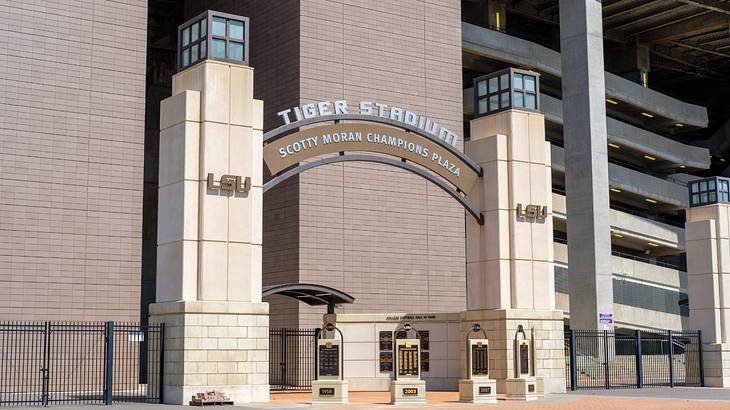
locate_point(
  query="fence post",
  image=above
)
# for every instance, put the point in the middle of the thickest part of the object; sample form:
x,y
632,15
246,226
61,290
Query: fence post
x,y
573,362
702,364
46,356
605,362
671,359
283,359
108,362
316,351
639,361
162,362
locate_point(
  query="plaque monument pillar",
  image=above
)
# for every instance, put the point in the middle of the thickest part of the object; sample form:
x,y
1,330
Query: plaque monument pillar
x,y
407,386
477,387
330,386
523,385
510,278
209,226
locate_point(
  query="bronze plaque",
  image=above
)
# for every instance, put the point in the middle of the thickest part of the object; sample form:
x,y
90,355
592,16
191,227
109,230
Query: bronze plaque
x,y
329,360
386,361
326,391
386,340
531,388
423,337
524,359
334,138
407,360
479,360
410,391
485,389
424,361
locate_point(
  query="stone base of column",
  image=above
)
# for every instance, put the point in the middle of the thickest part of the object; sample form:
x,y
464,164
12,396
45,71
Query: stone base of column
x,y
219,346
716,361
408,391
330,392
524,389
478,390
501,326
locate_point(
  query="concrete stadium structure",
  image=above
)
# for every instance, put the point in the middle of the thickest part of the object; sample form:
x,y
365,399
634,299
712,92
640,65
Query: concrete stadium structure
x,y
632,98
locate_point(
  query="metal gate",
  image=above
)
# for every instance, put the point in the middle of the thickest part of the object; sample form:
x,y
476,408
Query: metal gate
x,y
291,358
609,360
44,363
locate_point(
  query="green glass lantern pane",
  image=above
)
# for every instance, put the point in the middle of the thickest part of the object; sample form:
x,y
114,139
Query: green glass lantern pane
x,y
219,26
218,48
235,29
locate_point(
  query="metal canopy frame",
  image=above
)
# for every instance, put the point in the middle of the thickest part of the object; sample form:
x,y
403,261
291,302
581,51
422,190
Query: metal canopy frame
x,y
311,294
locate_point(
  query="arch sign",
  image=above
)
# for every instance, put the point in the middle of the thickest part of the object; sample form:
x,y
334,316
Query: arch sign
x,y
375,128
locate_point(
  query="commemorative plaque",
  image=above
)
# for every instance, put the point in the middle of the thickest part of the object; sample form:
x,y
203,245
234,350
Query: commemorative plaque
x,y
326,391
329,385
477,387
424,361
407,386
524,358
386,361
386,341
407,359
479,359
329,359
423,337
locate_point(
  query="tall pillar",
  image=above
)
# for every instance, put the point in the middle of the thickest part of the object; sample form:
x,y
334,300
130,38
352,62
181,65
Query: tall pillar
x,y
209,236
708,286
586,162
510,278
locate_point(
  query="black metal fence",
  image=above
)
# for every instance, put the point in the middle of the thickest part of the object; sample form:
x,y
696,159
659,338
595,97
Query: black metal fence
x,y
609,360
45,363
291,358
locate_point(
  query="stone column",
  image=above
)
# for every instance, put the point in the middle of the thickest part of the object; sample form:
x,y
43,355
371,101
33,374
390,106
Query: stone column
x,y
586,162
708,285
510,278
209,240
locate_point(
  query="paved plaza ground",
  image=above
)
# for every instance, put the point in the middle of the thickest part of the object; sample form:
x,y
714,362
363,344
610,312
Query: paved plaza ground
x,y
644,399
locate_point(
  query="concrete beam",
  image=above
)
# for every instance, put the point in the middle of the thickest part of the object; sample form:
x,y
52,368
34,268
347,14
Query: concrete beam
x,y
713,5
499,46
699,24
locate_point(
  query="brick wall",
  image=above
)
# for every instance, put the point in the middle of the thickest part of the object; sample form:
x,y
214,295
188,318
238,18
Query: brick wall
x,y
389,238
72,78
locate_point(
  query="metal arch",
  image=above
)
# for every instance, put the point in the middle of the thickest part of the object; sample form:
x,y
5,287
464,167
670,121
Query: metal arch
x,y
279,132
382,160
325,295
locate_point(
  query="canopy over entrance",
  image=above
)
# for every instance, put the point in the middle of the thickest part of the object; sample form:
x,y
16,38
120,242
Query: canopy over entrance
x,y
310,294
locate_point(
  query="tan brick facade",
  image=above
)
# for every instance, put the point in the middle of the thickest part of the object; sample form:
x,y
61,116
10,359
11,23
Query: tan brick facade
x,y
72,80
389,238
